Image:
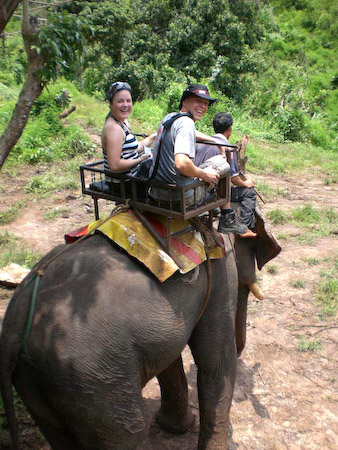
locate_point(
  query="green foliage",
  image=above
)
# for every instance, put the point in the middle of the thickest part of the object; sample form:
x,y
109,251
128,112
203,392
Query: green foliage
x,y
45,139
7,93
61,40
155,43
291,123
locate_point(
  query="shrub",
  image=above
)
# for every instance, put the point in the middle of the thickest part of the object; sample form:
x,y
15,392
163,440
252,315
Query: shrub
x,y
291,123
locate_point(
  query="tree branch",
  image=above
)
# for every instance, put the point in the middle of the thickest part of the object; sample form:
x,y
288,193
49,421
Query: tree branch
x,y
67,112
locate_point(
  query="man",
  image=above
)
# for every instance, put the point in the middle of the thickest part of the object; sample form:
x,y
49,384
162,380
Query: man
x,y
177,145
241,191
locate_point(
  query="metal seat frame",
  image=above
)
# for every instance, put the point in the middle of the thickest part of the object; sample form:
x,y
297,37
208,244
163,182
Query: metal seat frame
x,y
94,172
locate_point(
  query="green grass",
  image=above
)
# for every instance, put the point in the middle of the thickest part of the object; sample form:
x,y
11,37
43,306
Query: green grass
x,y
327,291
12,213
313,222
13,251
57,179
273,270
282,236
269,192
56,212
277,216
312,261
273,158
306,345
298,284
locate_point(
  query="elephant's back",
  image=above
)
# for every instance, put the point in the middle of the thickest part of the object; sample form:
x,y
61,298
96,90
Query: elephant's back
x,y
95,304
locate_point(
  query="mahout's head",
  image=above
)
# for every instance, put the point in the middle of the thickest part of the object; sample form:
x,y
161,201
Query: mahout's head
x,y
222,122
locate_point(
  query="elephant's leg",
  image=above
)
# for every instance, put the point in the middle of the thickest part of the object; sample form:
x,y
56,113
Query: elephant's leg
x,y
97,417
57,438
241,315
100,432
215,384
214,349
174,415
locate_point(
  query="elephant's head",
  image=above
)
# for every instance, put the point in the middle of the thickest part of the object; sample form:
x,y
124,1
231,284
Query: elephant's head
x,y
258,250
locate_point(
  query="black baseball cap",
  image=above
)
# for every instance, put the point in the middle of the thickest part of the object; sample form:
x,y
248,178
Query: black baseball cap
x,y
200,90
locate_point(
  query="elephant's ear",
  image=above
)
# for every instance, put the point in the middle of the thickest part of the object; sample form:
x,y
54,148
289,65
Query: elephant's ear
x,y
265,246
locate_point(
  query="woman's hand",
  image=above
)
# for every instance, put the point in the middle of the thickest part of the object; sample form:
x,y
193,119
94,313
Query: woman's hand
x,y
149,140
144,156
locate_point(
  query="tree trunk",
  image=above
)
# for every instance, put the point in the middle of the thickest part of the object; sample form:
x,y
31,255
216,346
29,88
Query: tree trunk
x,y
242,160
31,89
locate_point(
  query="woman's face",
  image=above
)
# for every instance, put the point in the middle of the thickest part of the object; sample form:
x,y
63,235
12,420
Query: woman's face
x,y
121,105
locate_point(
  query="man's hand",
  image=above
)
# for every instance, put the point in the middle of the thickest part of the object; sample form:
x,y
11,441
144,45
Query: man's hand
x,y
249,183
210,176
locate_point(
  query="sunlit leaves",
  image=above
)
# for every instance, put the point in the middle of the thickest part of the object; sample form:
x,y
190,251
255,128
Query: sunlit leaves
x,y
61,41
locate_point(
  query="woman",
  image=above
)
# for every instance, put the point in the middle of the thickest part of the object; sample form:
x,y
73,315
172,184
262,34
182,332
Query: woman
x,y
121,151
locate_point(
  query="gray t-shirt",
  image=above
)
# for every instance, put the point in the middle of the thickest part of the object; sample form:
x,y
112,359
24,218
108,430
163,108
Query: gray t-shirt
x,y
205,152
180,138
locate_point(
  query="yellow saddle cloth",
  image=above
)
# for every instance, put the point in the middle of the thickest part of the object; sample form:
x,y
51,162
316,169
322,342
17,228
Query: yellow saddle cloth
x,y
128,232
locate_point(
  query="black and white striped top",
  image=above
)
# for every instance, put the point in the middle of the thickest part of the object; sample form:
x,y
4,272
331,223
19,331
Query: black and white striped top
x,y
129,151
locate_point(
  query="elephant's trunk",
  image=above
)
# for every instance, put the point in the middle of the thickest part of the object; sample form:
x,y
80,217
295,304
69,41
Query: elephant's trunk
x,y
256,291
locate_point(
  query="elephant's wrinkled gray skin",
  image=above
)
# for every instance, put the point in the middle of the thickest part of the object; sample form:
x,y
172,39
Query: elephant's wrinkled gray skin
x,y
103,326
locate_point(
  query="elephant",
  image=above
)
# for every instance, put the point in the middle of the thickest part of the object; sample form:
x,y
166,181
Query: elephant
x,y
102,327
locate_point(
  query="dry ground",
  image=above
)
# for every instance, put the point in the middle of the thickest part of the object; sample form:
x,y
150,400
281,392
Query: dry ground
x,y
285,398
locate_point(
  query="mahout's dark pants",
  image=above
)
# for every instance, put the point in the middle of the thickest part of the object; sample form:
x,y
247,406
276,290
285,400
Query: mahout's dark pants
x,y
247,198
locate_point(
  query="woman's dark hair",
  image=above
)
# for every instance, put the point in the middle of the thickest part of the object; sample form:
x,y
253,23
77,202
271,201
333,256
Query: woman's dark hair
x,y
222,121
117,86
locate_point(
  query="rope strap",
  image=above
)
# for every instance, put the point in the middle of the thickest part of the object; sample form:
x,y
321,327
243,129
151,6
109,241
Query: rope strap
x,y
36,277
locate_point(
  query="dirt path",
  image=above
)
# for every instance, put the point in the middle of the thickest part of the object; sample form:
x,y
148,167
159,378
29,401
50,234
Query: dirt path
x,y
284,398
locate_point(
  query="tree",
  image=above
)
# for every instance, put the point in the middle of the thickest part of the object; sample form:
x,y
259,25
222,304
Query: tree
x,y
49,51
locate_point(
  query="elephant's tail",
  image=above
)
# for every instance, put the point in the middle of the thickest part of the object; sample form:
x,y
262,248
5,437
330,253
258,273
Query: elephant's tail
x,y
6,367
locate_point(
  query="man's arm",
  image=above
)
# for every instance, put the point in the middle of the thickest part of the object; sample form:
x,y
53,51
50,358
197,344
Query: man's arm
x,y
185,165
201,137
